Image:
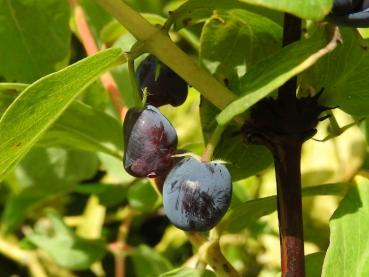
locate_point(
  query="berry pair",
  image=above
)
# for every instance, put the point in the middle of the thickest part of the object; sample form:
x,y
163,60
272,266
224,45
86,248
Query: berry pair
x,y
150,139
195,194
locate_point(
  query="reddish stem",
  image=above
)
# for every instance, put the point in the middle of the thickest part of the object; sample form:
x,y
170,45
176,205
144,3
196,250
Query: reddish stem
x,y
288,175
91,48
287,160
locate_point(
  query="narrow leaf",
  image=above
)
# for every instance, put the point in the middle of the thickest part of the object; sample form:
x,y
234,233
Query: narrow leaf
x,y
348,251
307,9
79,127
85,128
344,75
37,107
252,210
274,71
314,264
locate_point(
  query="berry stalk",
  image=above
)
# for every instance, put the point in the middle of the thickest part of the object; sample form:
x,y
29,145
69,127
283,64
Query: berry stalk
x,y
132,77
210,252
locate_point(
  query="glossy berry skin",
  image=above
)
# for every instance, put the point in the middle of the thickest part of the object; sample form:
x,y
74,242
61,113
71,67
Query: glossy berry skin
x,y
196,195
352,13
167,88
150,141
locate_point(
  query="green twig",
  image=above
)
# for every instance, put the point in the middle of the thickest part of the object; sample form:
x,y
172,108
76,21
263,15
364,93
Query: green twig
x,y
160,45
13,86
212,143
210,253
121,252
22,257
132,76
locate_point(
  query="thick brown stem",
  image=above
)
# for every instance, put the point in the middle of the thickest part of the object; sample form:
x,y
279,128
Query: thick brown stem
x,y
287,158
291,33
283,125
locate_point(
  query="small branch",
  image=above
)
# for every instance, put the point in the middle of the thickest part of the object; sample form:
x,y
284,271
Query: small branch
x,y
22,257
210,253
120,254
13,86
91,48
160,45
212,143
132,76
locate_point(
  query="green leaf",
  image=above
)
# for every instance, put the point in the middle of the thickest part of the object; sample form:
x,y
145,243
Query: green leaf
x,y
343,75
109,195
195,11
307,9
114,170
113,30
42,175
67,249
6,98
38,106
314,264
189,130
149,263
348,251
79,127
142,197
92,219
35,38
186,272
238,37
96,97
270,73
96,16
243,160
248,212
85,128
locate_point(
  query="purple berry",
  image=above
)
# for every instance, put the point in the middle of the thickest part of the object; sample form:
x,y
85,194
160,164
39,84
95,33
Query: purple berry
x,y
167,88
150,141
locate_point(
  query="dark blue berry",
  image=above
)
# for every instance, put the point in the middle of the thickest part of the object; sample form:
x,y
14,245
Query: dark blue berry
x,y
196,195
352,13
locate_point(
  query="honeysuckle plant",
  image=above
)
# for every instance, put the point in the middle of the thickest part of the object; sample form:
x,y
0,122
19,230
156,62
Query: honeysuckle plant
x,y
265,171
